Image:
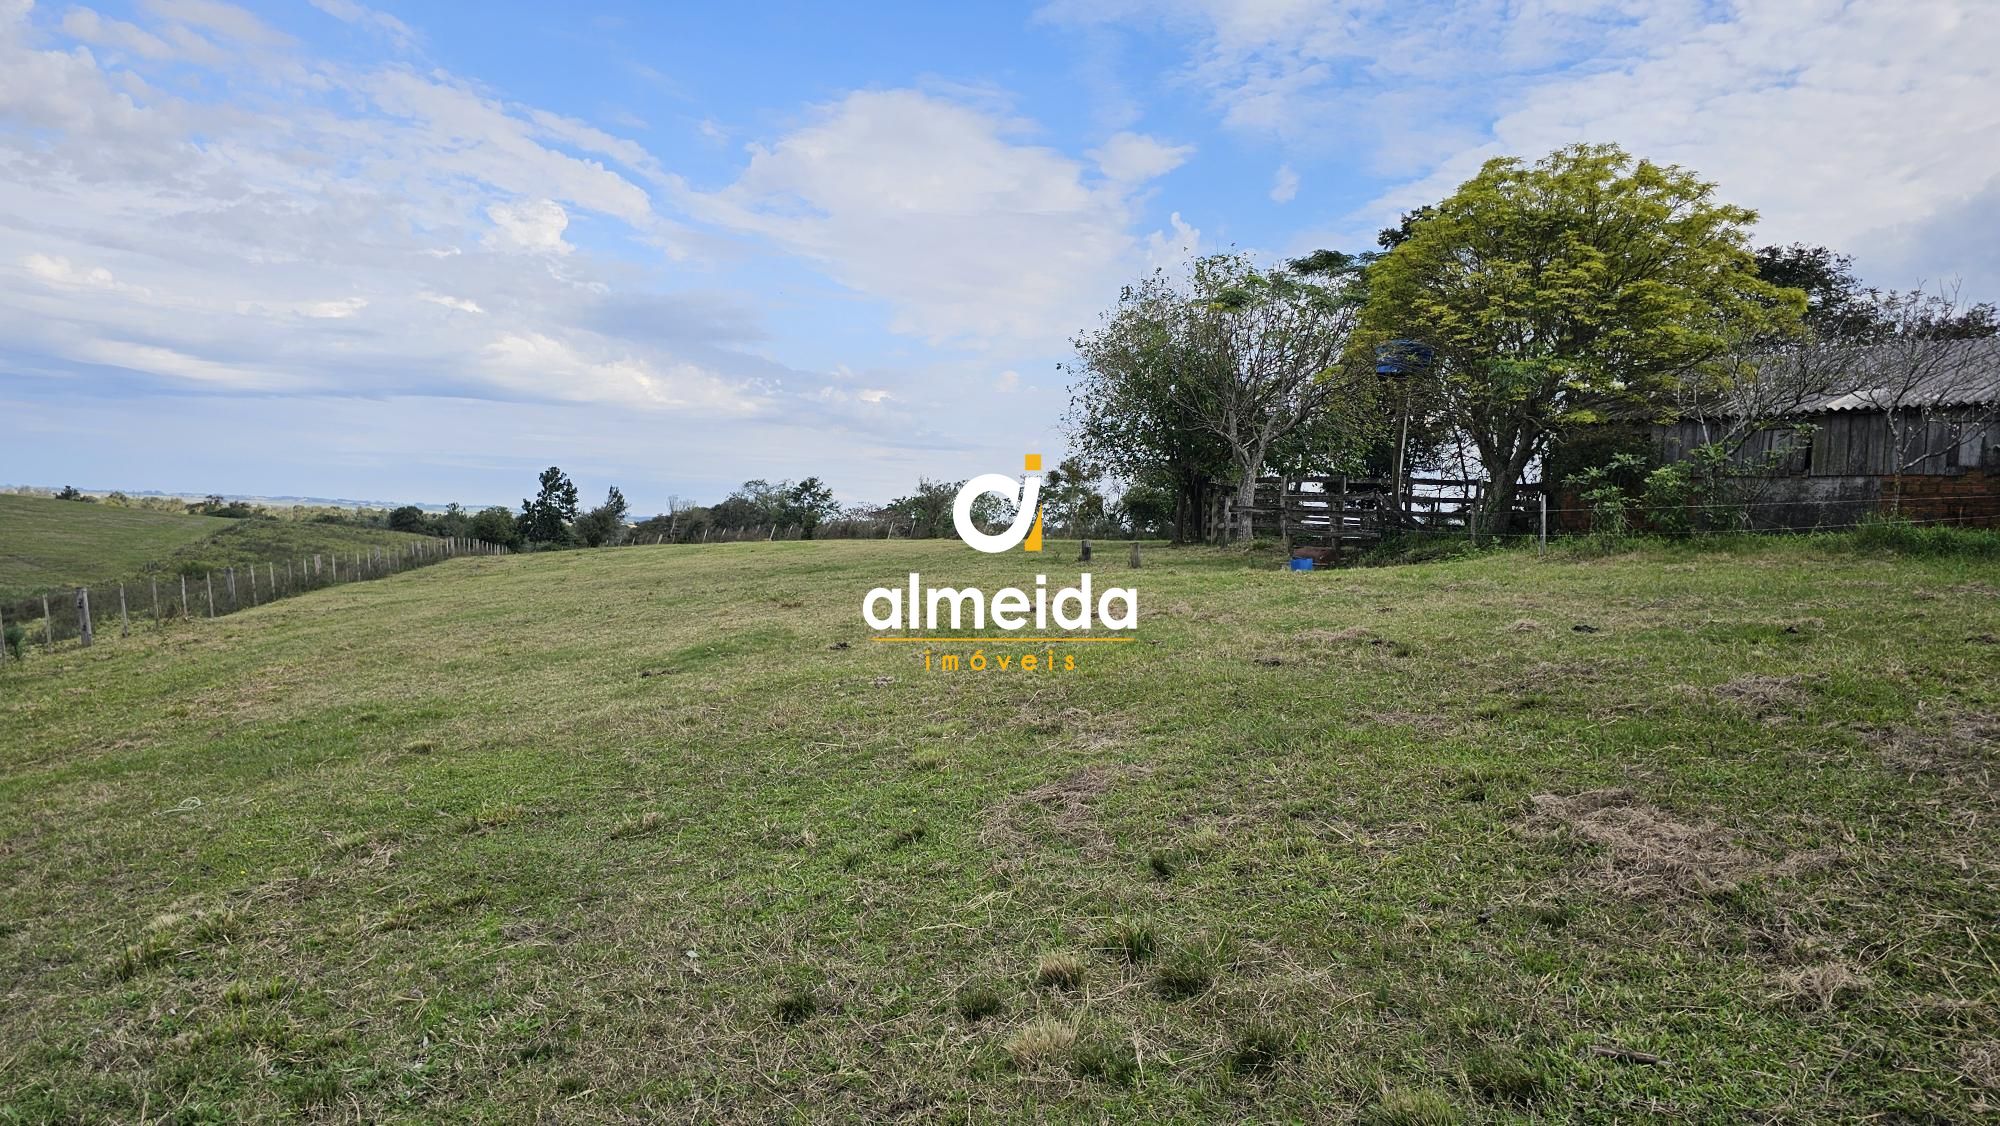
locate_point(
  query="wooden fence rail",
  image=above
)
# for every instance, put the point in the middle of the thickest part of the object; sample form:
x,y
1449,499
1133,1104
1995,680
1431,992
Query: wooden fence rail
x,y
1342,512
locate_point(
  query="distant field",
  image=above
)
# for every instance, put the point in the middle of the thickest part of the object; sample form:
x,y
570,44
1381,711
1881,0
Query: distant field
x,y
46,542
658,833
55,543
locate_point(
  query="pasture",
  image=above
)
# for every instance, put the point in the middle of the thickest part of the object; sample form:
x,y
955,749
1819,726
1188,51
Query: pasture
x,y
659,833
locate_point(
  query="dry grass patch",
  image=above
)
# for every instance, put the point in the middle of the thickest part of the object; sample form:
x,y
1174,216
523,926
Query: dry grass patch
x,y
1067,804
1040,1044
1768,697
1961,748
1822,986
1646,852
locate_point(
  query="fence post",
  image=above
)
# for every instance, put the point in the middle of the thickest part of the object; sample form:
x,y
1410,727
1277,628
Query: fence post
x,y
272,572
48,626
253,584
184,596
1542,542
124,619
229,580
156,599
1135,555
3,637
208,584
83,630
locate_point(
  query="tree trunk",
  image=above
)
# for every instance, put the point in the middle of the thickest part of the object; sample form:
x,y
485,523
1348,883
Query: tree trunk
x,y
1246,500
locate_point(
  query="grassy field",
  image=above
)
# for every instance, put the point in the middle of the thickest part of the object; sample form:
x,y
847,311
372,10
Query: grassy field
x,y
46,542
658,833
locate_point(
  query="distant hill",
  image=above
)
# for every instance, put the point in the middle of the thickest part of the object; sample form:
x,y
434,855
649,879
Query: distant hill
x,y
46,543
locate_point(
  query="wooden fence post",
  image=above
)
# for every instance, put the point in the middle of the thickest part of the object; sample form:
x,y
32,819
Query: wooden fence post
x,y
1135,555
124,619
84,633
156,599
208,584
229,580
3,637
272,572
1542,538
48,626
184,596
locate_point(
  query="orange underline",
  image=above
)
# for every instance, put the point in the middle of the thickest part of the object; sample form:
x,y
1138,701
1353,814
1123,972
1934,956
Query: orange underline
x,y
1016,640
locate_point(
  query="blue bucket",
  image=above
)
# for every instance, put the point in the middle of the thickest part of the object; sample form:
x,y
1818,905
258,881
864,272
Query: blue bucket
x,y
1302,563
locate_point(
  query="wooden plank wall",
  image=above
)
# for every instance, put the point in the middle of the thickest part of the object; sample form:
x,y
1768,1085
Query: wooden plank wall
x,y
1845,444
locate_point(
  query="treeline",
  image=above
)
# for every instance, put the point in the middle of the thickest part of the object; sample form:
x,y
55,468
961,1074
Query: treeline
x,y
1534,322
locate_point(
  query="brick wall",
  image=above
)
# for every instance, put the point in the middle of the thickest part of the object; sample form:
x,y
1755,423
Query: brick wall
x,y
1970,499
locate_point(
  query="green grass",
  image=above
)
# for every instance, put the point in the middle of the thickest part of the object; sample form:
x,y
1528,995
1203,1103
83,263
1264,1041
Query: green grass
x,y
56,544
47,543
622,835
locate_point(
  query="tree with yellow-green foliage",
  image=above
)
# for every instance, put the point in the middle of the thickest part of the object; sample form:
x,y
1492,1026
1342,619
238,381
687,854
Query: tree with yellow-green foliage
x,y
1577,289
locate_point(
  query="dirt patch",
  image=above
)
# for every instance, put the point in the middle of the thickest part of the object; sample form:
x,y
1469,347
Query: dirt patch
x,y
1644,851
1063,808
1526,625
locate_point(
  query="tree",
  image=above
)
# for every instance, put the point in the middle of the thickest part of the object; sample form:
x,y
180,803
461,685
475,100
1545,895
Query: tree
x,y
1125,417
1267,353
1071,500
810,502
1570,291
547,518
604,526
926,513
408,518
495,525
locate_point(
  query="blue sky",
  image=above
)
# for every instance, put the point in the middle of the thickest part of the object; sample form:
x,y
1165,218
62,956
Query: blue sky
x,y
418,251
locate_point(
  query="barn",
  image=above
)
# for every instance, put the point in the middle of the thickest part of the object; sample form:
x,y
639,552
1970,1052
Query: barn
x,y
1913,431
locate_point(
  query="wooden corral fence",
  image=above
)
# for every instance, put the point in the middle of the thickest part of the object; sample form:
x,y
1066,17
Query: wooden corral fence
x,y
1338,513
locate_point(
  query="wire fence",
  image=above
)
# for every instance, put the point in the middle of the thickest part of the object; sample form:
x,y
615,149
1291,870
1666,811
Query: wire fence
x,y
83,615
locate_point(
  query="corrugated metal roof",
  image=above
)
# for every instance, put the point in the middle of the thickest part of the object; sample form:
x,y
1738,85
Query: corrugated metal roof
x,y
1967,374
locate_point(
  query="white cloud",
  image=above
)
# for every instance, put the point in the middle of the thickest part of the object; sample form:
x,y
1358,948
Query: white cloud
x,y
968,232
463,305
1284,185
1008,381
1855,124
534,224
541,364
872,395
382,23
1131,158
88,26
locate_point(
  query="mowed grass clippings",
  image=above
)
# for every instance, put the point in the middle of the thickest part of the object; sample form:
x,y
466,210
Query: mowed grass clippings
x,y
625,835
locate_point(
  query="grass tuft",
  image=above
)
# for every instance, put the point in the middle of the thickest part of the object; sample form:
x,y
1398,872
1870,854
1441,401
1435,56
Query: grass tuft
x,y
1501,1074
796,1005
1109,1061
1132,941
1060,970
977,1001
1187,973
1259,1048
1039,1044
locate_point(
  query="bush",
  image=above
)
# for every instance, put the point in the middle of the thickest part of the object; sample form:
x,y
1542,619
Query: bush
x,y
16,640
